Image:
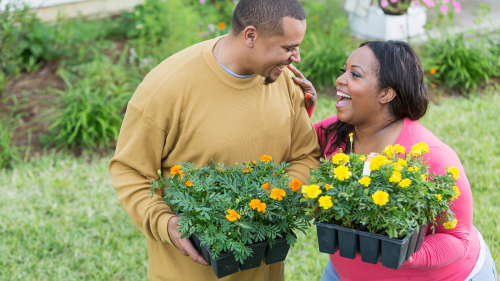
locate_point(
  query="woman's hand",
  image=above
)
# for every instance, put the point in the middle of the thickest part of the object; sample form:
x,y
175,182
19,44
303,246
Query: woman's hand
x,y
307,86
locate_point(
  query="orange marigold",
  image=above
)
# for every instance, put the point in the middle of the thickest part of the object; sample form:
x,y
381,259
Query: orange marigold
x,y
232,216
295,184
257,204
278,194
189,183
176,170
265,158
433,71
221,25
266,187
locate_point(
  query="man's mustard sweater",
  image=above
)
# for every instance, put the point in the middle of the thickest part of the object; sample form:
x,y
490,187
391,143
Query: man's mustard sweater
x,y
188,109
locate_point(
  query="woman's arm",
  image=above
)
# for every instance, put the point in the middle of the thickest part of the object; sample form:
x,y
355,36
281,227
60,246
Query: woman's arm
x,y
308,89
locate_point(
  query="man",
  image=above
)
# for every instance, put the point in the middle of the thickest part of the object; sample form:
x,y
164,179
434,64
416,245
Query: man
x,y
230,99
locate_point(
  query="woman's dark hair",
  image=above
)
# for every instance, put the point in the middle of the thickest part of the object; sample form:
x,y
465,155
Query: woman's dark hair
x,y
398,68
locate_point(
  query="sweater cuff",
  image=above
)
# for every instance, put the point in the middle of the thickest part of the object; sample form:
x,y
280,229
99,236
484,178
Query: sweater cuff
x,y
310,110
163,228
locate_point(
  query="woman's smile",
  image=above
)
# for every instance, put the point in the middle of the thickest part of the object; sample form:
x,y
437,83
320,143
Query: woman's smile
x,y
344,100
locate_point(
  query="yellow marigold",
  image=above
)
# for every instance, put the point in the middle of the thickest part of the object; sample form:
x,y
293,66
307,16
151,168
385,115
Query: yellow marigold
x,y
325,202
311,191
340,158
341,173
278,194
413,169
389,150
399,149
405,183
424,177
395,177
189,183
380,197
377,162
328,187
453,172
232,216
455,196
398,168
439,197
365,181
420,148
266,187
295,184
176,170
402,162
265,158
450,224
257,204
362,158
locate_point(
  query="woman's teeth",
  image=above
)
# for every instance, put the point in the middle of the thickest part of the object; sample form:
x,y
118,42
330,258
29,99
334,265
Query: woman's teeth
x,y
343,95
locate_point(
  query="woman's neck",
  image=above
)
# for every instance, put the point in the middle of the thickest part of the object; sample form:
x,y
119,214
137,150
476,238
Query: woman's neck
x,y
375,137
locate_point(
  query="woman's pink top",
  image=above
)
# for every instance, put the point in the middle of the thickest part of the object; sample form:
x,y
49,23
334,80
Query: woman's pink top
x,y
448,254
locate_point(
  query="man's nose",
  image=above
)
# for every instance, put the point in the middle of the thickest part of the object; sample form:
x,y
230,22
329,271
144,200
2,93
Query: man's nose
x,y
295,57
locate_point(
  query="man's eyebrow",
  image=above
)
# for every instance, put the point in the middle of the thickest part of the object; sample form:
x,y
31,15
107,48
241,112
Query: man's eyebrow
x,y
290,46
358,66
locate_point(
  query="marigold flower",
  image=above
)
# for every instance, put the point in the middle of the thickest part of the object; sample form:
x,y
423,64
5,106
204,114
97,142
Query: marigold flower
x,y
395,177
266,187
399,149
328,187
189,183
413,169
340,158
433,71
455,196
439,197
398,168
278,194
341,173
365,181
221,25
232,216
380,197
295,185
311,191
176,170
453,172
420,148
377,162
246,171
424,177
389,150
265,158
402,162
450,224
325,202
405,183
257,204
362,158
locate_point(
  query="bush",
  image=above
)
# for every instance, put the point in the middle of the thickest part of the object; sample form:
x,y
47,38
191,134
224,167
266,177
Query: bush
x,y
8,152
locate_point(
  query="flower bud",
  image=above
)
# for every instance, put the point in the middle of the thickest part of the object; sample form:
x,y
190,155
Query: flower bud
x,y
159,172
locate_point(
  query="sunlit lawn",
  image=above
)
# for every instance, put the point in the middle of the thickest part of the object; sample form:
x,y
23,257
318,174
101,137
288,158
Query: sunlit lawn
x,y
60,219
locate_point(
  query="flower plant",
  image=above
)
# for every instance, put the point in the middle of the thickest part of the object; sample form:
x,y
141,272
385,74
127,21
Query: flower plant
x,y
230,208
396,196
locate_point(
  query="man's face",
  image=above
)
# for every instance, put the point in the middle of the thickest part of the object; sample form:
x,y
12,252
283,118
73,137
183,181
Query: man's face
x,y
273,54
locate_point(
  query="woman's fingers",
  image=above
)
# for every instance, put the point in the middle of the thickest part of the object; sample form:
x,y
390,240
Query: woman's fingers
x,y
296,71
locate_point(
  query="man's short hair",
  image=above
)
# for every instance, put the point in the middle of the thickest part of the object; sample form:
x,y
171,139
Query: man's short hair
x,y
266,15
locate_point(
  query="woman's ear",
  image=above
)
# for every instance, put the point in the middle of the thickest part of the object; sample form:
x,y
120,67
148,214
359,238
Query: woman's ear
x,y
388,96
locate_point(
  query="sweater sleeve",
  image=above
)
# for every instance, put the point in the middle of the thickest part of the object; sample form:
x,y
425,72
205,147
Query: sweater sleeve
x,y
304,150
141,146
446,246
310,110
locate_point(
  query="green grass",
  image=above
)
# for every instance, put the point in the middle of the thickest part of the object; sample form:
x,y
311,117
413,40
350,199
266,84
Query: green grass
x,y
60,219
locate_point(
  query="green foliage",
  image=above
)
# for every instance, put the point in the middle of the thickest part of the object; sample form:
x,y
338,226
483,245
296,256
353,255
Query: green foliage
x,y
231,207
396,197
8,151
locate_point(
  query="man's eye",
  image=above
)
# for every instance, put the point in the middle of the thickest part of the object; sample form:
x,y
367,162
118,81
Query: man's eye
x,y
343,70
289,49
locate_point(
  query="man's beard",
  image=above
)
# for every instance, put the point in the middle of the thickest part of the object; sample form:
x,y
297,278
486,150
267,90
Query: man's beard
x,y
269,80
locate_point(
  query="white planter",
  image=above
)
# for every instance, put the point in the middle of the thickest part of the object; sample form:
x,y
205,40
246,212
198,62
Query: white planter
x,y
377,25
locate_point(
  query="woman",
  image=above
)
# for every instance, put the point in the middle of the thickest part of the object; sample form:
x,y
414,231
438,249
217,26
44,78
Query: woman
x,y
382,95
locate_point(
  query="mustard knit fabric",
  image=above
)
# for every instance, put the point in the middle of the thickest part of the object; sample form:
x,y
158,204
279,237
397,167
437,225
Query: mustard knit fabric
x,y
188,109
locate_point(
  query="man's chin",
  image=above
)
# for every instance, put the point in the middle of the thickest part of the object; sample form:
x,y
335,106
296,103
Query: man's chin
x,y
268,79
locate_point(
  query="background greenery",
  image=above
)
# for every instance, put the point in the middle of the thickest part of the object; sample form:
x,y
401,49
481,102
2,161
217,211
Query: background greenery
x,y
61,219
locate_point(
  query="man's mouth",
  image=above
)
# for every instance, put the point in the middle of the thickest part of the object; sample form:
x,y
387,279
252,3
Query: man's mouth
x,y
280,67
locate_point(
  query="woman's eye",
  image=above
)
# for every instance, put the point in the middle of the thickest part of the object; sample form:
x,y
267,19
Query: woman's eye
x,y
343,70
355,74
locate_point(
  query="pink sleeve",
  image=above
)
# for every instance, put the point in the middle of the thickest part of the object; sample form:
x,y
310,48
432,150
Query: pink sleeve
x,y
310,110
447,245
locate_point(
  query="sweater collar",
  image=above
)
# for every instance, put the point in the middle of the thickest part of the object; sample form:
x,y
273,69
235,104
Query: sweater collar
x,y
224,77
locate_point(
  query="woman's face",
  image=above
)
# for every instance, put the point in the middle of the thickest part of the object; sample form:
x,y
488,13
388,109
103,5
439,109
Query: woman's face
x,y
360,97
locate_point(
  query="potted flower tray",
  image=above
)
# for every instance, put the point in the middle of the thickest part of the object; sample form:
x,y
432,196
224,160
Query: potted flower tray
x,y
226,263
372,247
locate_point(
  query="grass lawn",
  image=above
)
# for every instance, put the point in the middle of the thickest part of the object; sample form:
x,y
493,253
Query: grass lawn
x,y
60,219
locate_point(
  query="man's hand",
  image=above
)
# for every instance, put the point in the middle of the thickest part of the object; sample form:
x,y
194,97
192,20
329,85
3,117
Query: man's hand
x,y
184,245
307,86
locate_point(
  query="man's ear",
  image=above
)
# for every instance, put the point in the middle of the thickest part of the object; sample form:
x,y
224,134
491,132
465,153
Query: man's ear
x,y
388,95
250,34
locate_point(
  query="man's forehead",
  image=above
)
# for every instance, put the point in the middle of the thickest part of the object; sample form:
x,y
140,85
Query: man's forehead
x,y
294,30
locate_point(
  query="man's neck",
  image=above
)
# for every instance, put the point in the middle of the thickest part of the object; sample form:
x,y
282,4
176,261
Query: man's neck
x,y
228,52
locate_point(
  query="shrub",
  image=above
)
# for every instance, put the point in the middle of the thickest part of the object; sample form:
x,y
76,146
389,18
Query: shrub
x,y
8,152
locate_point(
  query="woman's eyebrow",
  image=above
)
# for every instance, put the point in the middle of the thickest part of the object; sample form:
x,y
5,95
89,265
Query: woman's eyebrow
x,y
358,66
